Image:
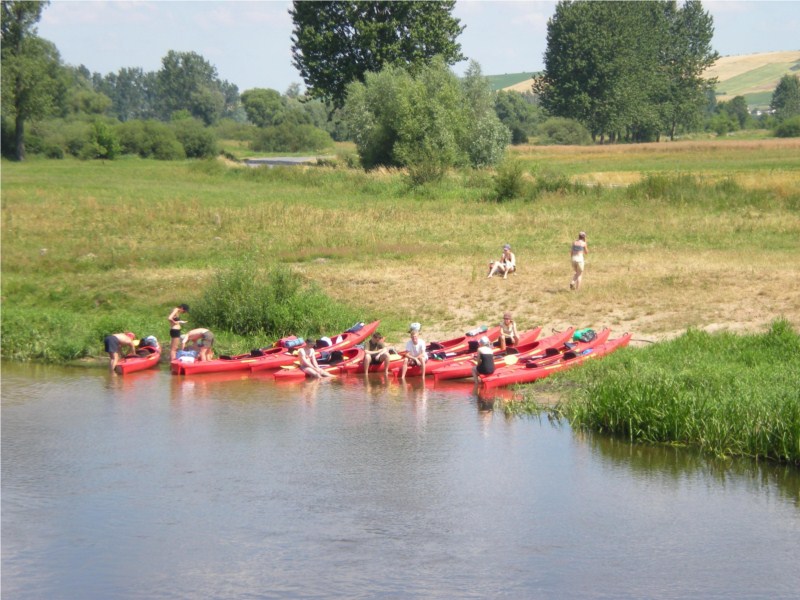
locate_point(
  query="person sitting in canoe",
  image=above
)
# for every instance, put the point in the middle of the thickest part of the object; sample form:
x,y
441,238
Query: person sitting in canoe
x,y
415,352
376,353
112,344
508,332
308,361
507,263
484,360
203,339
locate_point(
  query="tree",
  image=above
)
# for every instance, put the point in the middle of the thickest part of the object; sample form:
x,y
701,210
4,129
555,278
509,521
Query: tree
x,y
786,97
263,106
519,113
337,42
30,76
428,121
627,68
187,81
686,57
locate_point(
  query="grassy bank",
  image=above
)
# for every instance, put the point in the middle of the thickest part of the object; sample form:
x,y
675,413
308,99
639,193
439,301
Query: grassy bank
x,y
710,241
730,395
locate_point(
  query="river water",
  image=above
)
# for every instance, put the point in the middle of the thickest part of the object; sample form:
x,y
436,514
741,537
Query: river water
x,y
157,486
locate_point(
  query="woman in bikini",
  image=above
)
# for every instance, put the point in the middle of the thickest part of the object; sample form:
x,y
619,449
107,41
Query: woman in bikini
x,y
577,253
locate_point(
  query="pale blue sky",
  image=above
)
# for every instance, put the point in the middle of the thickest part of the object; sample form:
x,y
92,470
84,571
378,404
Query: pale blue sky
x,y
249,41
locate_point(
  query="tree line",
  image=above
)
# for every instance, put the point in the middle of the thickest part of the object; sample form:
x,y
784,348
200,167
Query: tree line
x,y
379,74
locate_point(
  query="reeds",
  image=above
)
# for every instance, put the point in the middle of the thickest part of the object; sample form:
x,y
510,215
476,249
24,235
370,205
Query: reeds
x,y
730,395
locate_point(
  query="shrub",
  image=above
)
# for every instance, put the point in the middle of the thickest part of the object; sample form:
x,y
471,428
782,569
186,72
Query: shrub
x,y
150,139
561,131
789,128
246,301
197,141
288,137
508,182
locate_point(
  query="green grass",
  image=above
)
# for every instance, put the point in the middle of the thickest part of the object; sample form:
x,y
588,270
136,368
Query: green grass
x,y
498,82
767,75
730,395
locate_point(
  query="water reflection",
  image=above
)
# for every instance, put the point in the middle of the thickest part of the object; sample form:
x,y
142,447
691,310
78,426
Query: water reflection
x,y
229,486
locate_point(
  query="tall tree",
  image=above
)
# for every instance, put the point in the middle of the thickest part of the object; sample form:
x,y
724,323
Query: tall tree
x,y
337,42
626,67
786,97
30,74
686,56
189,82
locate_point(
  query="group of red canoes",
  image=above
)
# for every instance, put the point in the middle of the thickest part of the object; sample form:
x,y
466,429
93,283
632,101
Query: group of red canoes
x,y
532,358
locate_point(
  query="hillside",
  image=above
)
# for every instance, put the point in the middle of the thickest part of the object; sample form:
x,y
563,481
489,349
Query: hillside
x,y
753,76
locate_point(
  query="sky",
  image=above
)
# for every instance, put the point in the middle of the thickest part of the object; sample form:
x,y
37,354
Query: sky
x,y
249,42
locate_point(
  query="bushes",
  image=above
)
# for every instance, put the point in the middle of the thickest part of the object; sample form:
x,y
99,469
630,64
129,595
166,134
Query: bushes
x,y
789,128
560,131
197,141
245,301
290,137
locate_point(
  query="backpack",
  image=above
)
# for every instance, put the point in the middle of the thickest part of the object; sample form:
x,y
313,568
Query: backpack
x,y
584,335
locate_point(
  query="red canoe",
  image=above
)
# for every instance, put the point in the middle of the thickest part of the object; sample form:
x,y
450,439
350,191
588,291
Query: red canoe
x,y
462,366
144,358
266,358
333,362
534,369
438,359
453,346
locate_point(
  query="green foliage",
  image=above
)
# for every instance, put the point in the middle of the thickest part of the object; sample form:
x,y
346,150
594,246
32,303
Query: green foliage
x,y
789,128
627,69
288,137
427,122
31,68
337,43
189,82
102,143
786,97
197,141
263,107
561,131
246,301
519,113
150,139
509,180
728,394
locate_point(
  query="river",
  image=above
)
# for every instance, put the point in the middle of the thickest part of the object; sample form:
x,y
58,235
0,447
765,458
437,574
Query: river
x,y
158,486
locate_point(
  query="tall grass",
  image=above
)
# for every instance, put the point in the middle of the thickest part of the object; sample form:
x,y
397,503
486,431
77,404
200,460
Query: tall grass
x,y
730,395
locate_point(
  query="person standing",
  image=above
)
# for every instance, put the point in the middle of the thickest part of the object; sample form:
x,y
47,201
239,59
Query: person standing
x,y
578,253
175,323
508,332
415,352
112,344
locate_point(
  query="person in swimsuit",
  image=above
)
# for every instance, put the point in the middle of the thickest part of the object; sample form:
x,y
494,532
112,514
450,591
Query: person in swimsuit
x,y
508,332
112,344
484,360
415,352
507,263
577,253
308,361
376,353
203,339
175,323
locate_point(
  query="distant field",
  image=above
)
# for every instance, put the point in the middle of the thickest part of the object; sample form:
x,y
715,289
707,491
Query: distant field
x,y
753,76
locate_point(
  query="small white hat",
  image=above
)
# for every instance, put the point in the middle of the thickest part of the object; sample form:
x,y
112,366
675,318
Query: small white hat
x,y
414,327
484,341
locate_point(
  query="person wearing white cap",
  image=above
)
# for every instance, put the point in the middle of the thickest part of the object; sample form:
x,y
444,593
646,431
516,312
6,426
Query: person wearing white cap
x,y
484,360
577,253
415,351
507,263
